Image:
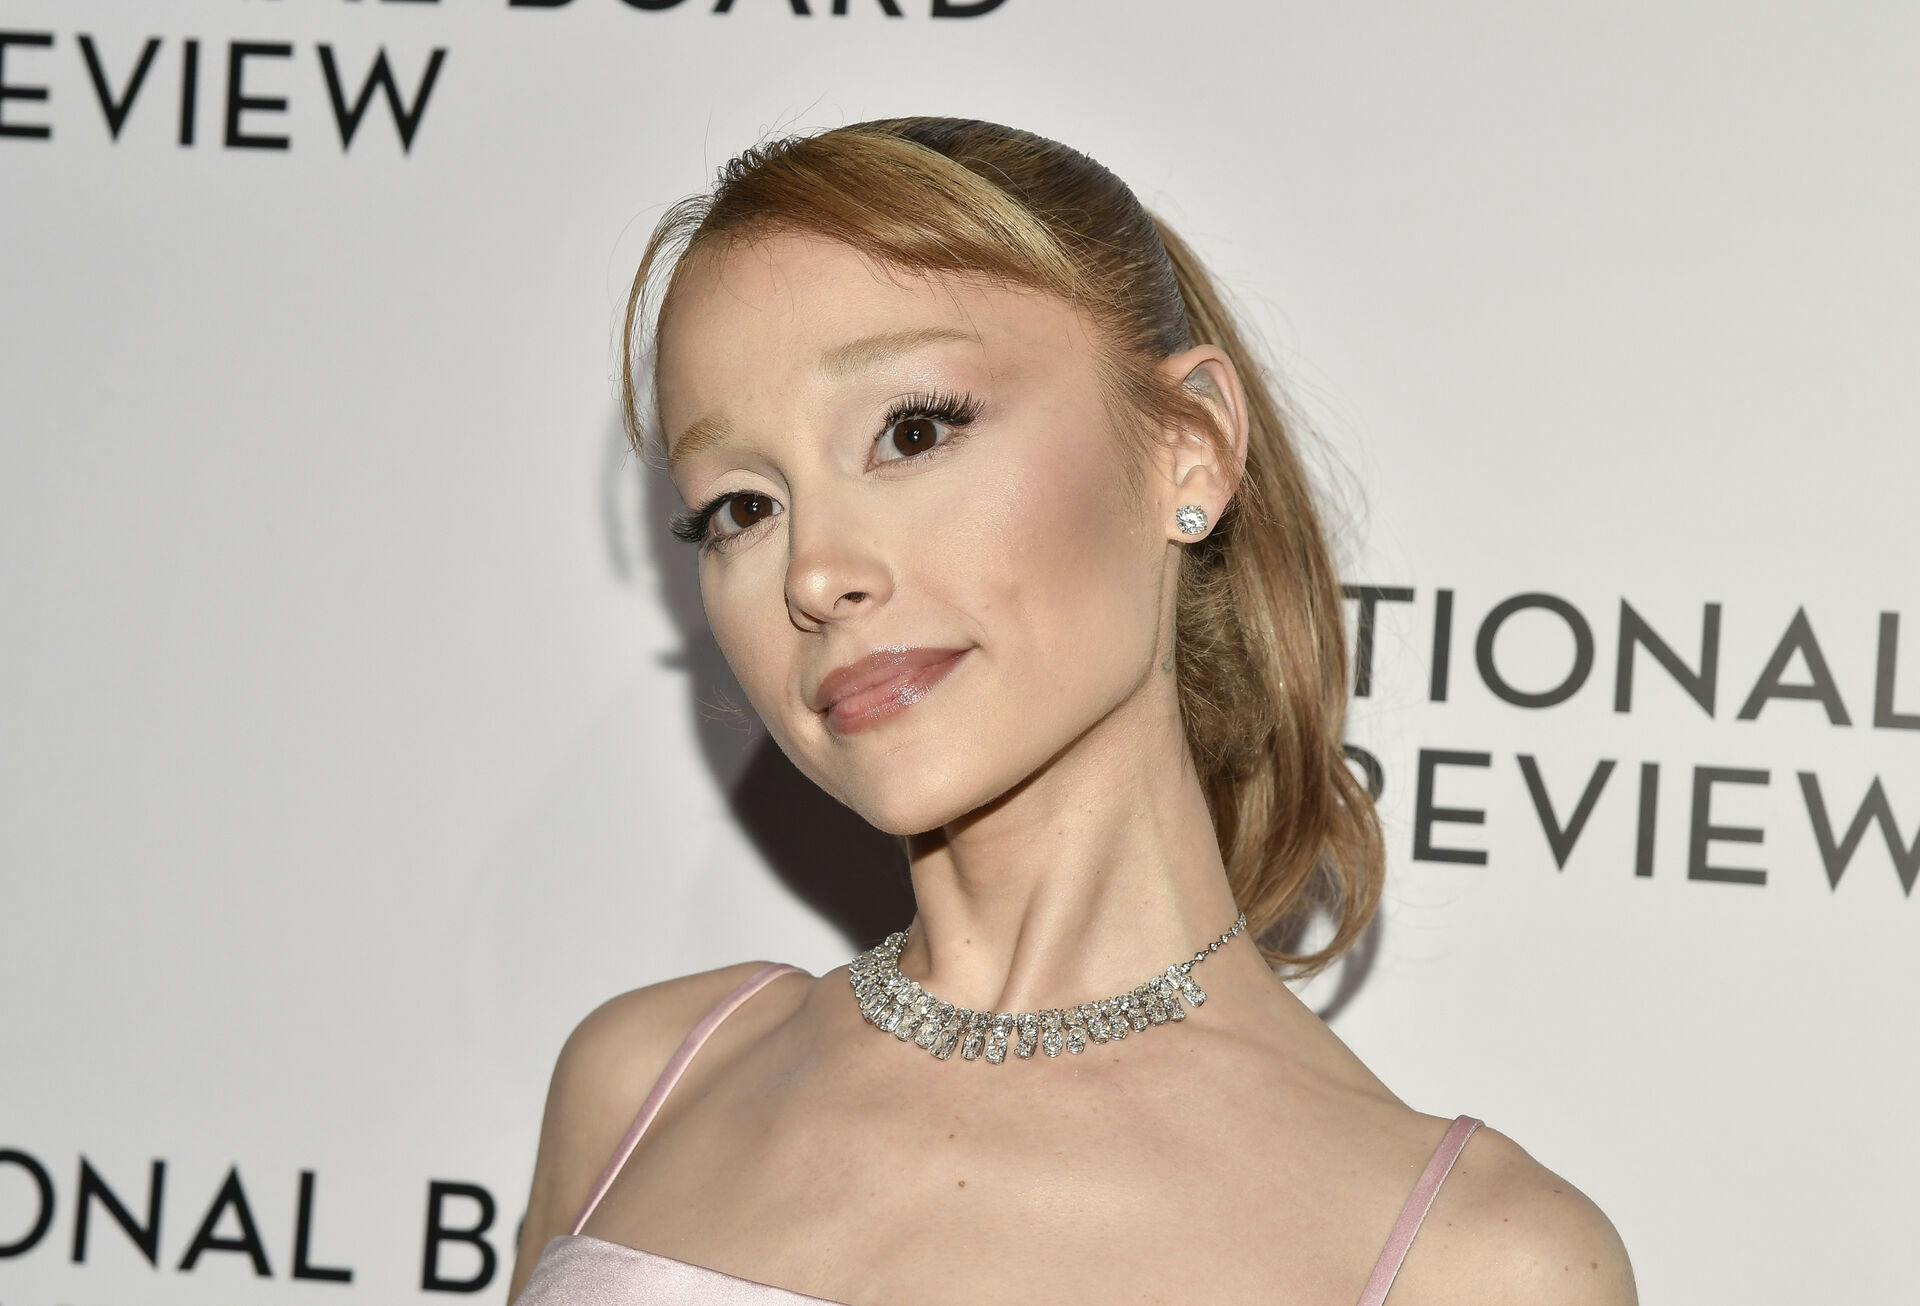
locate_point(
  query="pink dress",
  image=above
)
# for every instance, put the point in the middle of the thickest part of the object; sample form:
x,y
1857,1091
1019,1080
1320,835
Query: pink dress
x,y
577,1269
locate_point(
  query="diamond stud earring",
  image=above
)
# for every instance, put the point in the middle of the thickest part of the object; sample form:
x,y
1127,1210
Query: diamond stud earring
x,y
1191,518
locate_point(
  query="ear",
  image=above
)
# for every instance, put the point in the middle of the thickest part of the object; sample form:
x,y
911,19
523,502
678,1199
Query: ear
x,y
1199,466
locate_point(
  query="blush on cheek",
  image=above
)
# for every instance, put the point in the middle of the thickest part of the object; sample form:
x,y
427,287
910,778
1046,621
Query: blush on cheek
x,y
1076,524
1060,555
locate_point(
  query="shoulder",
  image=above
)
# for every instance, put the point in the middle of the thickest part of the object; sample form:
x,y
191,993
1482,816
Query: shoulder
x,y
602,1073
638,1030
614,1054
1514,1233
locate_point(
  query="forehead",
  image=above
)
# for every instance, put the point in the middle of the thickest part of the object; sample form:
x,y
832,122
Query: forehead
x,y
766,323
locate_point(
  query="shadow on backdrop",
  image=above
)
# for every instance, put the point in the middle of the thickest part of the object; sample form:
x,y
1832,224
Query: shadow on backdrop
x,y
853,875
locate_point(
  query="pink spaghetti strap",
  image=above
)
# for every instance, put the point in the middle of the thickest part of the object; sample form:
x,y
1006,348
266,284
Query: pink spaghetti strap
x,y
1415,1209
671,1075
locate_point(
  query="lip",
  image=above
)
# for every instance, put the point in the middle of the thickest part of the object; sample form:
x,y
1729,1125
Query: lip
x,y
869,689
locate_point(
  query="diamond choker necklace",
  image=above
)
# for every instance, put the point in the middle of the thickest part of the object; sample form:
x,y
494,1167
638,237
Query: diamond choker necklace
x,y
897,1005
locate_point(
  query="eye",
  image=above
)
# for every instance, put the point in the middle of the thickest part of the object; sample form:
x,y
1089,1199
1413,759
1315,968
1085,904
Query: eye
x,y
912,421
725,508
917,416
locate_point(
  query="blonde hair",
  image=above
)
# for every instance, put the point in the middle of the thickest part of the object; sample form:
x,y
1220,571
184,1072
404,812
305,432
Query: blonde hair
x,y
1261,650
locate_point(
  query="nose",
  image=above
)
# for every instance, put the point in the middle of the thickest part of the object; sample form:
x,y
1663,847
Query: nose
x,y
831,574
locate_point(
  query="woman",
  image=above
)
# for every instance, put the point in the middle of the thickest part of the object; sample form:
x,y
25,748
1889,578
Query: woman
x,y
1003,533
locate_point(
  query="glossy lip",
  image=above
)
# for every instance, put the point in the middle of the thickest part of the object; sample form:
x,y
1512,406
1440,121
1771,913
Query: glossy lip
x,y
880,683
865,708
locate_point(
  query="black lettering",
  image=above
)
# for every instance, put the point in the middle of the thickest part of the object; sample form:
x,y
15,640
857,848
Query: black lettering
x,y
1635,632
1887,655
1369,598
43,1216
248,1241
37,131
238,101
1582,650
93,1188
1799,636
1704,831
431,1280
1425,814
116,111
1836,854
406,117
302,1235
1560,841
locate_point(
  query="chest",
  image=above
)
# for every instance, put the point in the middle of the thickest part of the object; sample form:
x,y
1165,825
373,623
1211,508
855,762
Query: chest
x,y
1074,1183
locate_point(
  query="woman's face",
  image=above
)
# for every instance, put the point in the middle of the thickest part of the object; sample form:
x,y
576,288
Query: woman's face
x,y
1011,536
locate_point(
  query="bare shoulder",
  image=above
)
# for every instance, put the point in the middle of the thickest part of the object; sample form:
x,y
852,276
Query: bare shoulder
x,y
1507,1231
622,1044
601,1075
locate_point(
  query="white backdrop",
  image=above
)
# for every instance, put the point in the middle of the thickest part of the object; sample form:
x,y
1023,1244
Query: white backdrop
x,y
353,723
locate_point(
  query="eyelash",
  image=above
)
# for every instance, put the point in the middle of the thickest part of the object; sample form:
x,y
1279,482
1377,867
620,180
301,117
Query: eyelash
x,y
956,410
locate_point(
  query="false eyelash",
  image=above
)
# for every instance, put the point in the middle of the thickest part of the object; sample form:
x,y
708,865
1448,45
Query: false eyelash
x,y
956,410
953,409
691,525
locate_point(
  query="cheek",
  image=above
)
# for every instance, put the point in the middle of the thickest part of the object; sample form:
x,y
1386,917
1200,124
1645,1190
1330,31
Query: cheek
x,y
1063,563
739,626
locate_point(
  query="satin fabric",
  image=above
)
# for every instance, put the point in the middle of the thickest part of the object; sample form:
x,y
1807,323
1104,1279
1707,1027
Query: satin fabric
x,y
577,1269
581,1270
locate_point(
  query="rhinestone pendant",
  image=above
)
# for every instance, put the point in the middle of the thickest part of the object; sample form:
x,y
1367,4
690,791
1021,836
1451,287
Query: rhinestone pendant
x,y
897,1005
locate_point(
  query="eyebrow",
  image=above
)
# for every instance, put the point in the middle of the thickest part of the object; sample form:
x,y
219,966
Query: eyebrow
x,y
839,361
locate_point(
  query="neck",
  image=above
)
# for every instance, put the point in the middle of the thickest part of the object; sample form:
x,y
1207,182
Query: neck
x,y
1096,873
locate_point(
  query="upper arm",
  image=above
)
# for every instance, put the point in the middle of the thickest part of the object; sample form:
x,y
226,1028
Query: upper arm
x,y
1525,1236
601,1075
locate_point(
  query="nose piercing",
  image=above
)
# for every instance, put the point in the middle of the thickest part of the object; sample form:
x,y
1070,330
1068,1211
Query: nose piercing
x,y
1191,517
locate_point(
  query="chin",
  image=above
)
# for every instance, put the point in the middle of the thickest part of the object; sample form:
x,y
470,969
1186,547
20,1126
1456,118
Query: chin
x,y
903,804
907,814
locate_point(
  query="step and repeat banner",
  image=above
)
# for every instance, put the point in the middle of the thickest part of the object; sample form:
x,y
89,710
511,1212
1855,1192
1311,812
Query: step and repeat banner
x,y
360,729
